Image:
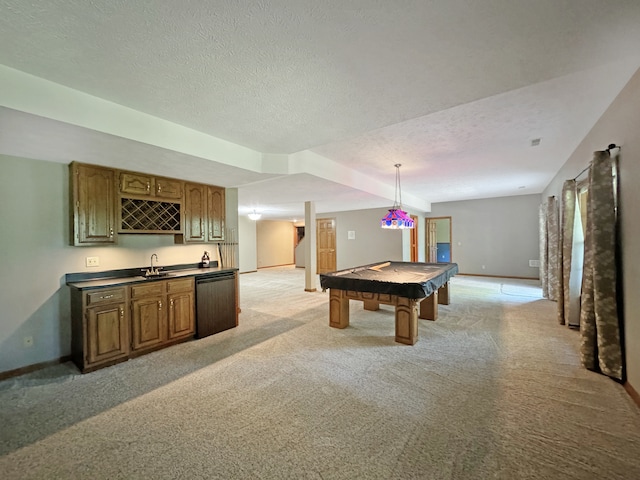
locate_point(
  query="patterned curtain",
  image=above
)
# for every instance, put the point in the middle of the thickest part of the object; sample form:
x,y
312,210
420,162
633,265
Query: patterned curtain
x,y
542,218
600,324
571,257
549,246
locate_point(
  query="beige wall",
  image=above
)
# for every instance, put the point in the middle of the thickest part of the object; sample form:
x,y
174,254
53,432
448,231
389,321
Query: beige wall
x,y
371,243
620,124
274,242
443,230
499,234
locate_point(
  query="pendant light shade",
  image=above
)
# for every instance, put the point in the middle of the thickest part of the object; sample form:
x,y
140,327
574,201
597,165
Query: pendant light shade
x,y
397,218
254,216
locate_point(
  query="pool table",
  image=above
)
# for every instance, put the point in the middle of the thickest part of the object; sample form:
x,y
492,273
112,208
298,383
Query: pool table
x,y
415,289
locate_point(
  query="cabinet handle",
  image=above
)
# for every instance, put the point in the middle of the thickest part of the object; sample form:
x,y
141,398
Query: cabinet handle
x,y
159,304
171,303
104,297
159,188
148,186
111,232
121,312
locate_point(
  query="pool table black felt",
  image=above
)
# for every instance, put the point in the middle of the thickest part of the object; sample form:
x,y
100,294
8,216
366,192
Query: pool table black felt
x,y
405,279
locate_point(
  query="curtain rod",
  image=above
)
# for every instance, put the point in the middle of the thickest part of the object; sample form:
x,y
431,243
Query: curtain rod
x,y
608,149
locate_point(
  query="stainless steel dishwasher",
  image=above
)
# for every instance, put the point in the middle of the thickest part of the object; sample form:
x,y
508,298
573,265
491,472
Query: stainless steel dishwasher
x,y
215,303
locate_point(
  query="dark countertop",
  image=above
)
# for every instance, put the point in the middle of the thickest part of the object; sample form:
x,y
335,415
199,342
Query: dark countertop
x,y
113,278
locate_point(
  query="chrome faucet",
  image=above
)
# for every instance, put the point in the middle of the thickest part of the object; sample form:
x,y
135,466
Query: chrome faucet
x,y
153,271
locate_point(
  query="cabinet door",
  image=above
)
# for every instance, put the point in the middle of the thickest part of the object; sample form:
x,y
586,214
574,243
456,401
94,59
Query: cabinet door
x,y
216,214
107,333
148,322
168,188
195,206
136,183
94,205
181,315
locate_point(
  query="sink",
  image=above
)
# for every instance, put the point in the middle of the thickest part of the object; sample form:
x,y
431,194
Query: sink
x,y
158,275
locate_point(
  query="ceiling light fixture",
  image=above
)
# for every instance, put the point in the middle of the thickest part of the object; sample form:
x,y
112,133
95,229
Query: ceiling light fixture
x,y
397,218
255,215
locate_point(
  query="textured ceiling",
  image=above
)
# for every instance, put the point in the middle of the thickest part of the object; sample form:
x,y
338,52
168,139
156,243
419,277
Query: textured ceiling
x,y
454,90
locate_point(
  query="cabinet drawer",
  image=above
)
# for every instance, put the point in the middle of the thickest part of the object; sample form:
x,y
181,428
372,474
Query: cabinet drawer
x,y
112,295
180,285
148,289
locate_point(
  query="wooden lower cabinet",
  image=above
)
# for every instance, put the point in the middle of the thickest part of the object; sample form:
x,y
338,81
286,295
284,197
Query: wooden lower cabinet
x,y
110,325
100,332
162,312
148,315
181,313
107,333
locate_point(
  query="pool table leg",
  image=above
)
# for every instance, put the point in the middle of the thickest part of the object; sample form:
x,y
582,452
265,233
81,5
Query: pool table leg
x,y
443,294
406,321
429,307
371,305
338,308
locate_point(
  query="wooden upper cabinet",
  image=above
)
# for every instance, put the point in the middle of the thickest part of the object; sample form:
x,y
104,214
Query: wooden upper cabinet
x,y
139,184
216,213
135,183
195,209
93,204
105,202
168,188
204,214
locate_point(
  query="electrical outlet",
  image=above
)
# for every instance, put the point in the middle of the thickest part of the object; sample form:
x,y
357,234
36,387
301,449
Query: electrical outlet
x,y
93,261
27,342
534,263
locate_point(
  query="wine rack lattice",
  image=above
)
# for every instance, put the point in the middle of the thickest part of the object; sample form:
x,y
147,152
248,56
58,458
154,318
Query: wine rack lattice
x,y
150,215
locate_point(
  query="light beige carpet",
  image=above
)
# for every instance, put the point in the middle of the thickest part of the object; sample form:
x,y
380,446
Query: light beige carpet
x,y
492,390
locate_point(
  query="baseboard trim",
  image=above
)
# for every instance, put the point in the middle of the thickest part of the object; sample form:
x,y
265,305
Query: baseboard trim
x,y
632,393
495,276
32,368
275,266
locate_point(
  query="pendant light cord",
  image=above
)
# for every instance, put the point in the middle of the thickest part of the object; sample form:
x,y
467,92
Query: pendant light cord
x,y
398,188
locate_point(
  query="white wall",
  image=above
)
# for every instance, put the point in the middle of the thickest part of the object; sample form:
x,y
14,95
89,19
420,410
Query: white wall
x,y
35,255
499,233
620,124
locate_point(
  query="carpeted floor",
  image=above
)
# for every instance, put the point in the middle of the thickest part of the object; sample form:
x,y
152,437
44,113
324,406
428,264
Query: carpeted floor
x,y
493,389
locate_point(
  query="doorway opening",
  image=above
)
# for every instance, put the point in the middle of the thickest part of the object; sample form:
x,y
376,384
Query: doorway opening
x,y
439,242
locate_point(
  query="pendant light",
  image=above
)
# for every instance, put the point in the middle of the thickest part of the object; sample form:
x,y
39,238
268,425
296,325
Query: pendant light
x,y
397,218
254,215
